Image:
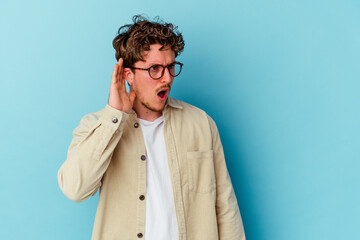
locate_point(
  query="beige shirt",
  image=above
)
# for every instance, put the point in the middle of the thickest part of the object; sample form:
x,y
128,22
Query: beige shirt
x,y
108,152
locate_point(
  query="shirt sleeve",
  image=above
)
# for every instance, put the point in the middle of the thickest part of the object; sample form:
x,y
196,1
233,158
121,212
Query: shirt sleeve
x,y
90,152
230,225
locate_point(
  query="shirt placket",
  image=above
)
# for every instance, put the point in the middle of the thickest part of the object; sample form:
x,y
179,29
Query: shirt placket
x,y
141,177
175,174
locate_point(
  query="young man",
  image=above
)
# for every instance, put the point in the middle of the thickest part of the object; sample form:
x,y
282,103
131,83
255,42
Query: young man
x,y
158,162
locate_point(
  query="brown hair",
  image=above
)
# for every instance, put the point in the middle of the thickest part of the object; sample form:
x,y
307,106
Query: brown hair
x,y
134,39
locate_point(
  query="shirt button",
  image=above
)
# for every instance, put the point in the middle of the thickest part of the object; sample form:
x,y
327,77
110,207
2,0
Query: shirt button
x,y
143,157
142,197
139,235
136,125
114,120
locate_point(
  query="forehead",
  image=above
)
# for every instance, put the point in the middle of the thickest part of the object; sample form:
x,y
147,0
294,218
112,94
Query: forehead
x,y
155,55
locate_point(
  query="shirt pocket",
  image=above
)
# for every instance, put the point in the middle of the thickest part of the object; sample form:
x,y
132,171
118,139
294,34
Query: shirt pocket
x,y
201,171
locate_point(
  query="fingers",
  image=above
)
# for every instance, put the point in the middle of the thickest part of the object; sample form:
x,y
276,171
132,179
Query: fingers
x,y
114,74
117,77
118,97
121,77
120,70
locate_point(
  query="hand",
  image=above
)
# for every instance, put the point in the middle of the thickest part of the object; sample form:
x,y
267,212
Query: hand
x,y
118,97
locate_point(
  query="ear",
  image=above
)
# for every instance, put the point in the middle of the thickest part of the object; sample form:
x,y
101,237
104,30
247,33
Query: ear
x,y
129,76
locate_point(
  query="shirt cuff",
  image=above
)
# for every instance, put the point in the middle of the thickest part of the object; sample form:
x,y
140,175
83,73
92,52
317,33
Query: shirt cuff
x,y
113,117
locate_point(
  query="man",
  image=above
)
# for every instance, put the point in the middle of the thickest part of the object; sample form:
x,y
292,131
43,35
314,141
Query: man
x,y
158,162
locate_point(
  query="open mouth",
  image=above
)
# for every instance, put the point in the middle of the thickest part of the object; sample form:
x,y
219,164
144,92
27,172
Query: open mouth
x,y
162,94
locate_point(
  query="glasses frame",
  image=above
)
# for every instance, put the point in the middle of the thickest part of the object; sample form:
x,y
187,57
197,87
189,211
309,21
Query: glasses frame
x,y
163,71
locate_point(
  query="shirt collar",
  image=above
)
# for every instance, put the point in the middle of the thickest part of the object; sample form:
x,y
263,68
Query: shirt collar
x,y
173,103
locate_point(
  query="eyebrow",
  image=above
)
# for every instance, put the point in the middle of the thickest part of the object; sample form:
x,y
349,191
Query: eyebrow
x,y
152,64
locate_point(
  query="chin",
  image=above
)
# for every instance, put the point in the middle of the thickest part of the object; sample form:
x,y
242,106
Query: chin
x,y
155,108
160,108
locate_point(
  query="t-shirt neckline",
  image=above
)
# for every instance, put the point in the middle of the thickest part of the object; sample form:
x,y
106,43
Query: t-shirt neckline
x,y
147,123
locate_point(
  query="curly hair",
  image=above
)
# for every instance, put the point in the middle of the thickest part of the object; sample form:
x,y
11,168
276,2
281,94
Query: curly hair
x,y
134,39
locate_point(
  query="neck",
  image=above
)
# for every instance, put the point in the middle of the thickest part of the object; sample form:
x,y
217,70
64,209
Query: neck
x,y
145,113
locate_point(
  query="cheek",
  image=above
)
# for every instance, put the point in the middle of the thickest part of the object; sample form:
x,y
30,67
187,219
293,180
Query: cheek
x,y
141,89
136,85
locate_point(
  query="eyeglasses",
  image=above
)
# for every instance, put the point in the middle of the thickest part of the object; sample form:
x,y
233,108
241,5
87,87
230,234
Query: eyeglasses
x,y
157,71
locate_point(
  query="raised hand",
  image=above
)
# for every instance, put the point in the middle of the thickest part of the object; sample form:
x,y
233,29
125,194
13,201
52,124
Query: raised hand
x,y
118,97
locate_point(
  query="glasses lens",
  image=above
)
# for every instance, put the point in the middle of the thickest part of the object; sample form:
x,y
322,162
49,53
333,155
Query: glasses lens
x,y
156,71
175,69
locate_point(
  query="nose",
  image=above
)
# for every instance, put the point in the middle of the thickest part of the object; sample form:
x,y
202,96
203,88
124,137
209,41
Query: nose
x,y
167,78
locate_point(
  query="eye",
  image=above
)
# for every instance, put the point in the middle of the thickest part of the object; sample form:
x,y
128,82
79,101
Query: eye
x,y
172,65
155,68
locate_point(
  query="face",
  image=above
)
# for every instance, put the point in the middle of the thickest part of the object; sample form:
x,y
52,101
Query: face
x,y
151,94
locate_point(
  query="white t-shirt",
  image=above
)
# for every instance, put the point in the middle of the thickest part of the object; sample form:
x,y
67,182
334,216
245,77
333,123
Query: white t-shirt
x,y
161,221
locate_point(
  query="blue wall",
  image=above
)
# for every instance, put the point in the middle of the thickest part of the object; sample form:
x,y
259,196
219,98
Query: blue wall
x,y
280,78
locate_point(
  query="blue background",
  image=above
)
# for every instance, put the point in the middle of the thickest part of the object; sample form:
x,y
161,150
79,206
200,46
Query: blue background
x,y
280,78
